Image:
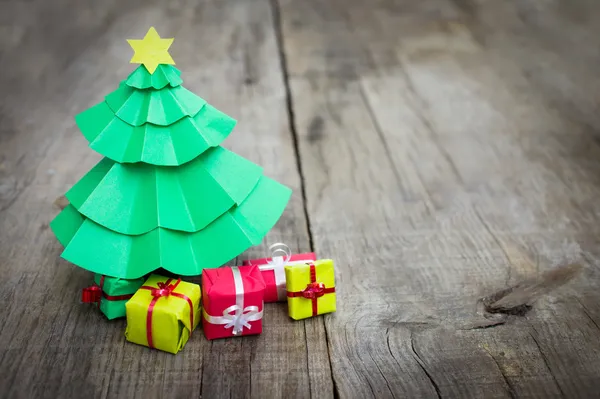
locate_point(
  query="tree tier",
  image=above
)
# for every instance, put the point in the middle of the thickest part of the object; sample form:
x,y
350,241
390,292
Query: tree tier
x,y
104,251
159,107
170,145
137,198
164,75
151,118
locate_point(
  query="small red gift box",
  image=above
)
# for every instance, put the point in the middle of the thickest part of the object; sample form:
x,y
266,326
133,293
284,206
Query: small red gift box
x,y
232,301
273,270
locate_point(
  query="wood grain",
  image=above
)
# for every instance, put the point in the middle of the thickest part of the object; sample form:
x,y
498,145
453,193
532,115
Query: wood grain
x,y
439,150
434,166
51,345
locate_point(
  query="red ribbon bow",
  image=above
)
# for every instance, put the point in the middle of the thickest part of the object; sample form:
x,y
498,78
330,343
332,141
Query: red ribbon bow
x,y
164,290
313,290
91,294
95,293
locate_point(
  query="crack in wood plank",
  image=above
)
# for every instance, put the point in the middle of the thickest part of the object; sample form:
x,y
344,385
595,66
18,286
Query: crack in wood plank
x,y
348,342
509,387
289,101
307,355
545,359
421,364
387,383
336,391
387,341
202,371
587,313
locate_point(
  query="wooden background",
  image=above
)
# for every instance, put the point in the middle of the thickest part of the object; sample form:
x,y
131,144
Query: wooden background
x,y
439,151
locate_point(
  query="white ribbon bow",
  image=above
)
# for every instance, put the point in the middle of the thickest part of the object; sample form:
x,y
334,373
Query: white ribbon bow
x,y
240,318
280,256
237,316
279,260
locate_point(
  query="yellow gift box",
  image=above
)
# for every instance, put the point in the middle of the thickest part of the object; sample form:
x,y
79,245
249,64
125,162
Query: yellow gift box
x,y
163,313
310,289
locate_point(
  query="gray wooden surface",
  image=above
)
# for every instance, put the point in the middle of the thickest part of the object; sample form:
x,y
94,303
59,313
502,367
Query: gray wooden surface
x,y
439,150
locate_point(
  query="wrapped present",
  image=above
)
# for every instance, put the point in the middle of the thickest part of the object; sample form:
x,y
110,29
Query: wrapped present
x,y
310,289
232,304
110,294
273,270
163,313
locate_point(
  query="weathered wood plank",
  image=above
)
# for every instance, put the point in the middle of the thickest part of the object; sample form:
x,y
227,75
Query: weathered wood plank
x,y
50,345
433,169
443,143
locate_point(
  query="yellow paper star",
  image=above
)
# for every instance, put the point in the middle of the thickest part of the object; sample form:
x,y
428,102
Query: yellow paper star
x,y
151,50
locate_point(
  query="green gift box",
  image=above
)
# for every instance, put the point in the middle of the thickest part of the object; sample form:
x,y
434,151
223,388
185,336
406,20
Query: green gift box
x,y
110,294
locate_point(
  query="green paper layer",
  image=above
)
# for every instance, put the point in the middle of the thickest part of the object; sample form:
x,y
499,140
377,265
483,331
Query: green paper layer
x,y
171,145
137,198
114,287
160,107
66,224
101,250
163,75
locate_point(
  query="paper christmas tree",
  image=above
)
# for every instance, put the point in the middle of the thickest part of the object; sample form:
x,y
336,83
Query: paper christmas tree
x,y
166,194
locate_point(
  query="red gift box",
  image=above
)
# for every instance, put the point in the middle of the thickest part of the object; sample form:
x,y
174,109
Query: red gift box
x,y
232,301
273,272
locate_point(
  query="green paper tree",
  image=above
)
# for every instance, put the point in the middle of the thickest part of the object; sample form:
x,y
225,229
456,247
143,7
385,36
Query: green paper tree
x,y
166,194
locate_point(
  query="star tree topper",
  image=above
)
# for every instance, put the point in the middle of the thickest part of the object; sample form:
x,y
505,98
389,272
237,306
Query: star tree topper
x,y
151,51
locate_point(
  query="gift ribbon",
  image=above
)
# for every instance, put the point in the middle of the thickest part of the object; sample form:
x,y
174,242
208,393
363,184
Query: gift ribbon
x,y
95,293
92,294
236,316
164,290
313,291
277,263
